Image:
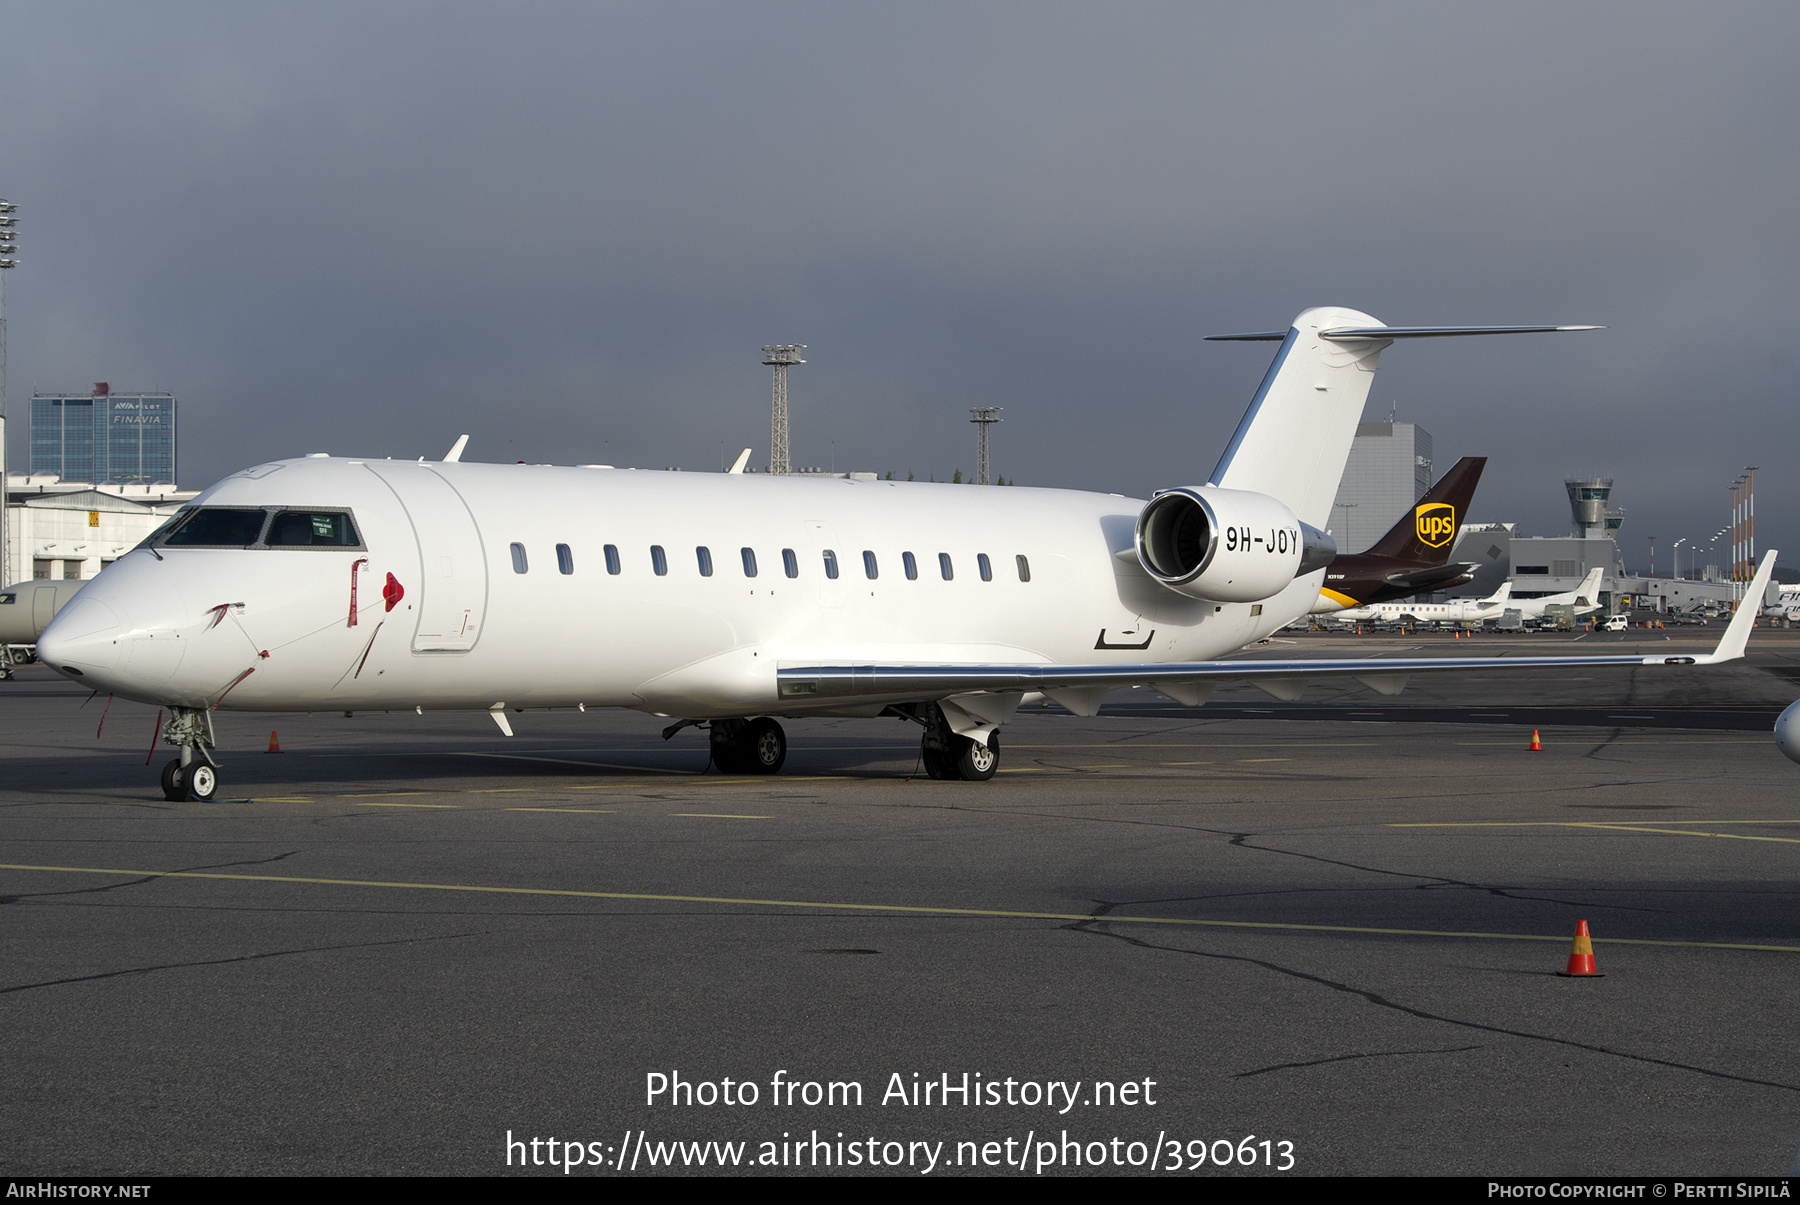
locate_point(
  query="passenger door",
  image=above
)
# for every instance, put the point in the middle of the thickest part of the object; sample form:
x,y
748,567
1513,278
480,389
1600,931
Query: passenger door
x,y
452,563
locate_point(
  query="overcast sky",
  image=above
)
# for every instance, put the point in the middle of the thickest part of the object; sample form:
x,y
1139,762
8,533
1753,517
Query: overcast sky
x,y
568,229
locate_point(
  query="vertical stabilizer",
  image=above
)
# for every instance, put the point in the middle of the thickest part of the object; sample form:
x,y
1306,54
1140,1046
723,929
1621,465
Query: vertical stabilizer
x,y
1427,531
1294,439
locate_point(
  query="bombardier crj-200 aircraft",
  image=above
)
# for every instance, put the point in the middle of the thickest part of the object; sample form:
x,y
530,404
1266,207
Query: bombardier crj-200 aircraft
x,y
325,583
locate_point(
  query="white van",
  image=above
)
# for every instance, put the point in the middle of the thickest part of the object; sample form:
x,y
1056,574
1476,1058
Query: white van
x,y
1615,623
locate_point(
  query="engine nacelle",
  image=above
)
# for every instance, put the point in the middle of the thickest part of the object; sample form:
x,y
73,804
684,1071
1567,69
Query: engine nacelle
x,y
1227,545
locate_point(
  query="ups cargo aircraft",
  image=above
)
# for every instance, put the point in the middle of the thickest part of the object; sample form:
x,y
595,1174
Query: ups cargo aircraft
x,y
324,583
1414,556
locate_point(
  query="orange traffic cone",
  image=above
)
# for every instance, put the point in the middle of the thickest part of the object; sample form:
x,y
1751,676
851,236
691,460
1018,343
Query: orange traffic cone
x,y
1537,746
1581,956
274,745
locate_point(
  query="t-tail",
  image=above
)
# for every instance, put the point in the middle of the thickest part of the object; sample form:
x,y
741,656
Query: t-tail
x,y
1293,441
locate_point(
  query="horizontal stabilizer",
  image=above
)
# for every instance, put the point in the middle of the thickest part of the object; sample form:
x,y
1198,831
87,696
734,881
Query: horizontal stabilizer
x,y
1347,334
1431,575
1343,334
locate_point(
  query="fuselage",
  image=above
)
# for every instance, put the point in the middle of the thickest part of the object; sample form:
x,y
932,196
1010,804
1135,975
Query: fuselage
x,y
478,585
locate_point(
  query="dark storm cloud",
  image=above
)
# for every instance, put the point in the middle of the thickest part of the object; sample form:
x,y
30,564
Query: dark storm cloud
x,y
568,229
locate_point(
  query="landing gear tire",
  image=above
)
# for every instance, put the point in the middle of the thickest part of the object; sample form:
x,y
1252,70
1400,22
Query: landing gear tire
x,y
763,746
174,782
975,761
202,782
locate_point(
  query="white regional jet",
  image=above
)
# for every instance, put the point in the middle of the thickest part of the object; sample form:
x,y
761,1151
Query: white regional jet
x,y
326,583
1458,610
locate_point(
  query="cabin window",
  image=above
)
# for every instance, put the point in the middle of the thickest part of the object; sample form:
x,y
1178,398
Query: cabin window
x,y
986,566
1024,567
870,570
911,564
749,555
565,560
311,529
659,561
831,564
790,562
518,555
944,567
217,527
612,559
703,555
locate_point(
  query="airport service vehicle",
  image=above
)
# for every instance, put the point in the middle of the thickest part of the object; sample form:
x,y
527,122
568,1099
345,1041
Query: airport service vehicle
x,y
1460,611
1616,623
329,583
1414,556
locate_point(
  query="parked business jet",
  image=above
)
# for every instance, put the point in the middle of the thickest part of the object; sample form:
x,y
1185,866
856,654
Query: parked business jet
x,y
1457,610
25,611
358,584
1414,556
1585,599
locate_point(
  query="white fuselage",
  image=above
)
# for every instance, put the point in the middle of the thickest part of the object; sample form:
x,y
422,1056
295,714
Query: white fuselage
x,y
269,628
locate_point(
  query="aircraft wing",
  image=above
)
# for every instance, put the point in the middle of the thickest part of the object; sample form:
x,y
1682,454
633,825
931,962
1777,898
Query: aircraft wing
x,y
804,684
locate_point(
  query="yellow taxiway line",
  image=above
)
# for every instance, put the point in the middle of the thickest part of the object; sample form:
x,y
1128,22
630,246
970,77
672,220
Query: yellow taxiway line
x,y
908,909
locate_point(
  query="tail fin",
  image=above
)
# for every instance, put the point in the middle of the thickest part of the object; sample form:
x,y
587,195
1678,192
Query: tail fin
x,y
1294,439
1427,532
1502,594
1588,592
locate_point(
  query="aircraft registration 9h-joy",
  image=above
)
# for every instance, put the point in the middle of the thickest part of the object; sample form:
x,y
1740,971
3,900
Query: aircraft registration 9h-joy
x,y
325,583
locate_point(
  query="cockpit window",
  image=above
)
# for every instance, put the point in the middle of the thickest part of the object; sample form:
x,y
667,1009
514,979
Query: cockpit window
x,y
169,524
312,529
7,599
217,527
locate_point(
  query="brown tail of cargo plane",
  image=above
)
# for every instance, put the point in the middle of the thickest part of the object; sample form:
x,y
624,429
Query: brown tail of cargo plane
x,y
1413,557
1427,532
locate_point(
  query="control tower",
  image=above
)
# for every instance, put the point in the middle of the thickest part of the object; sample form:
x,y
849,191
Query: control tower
x,y
1587,506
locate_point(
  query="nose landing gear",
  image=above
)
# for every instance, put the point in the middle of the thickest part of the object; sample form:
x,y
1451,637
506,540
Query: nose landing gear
x,y
194,775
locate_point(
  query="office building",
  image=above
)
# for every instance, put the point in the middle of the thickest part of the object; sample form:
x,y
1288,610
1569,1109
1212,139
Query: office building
x,y
104,437
1389,469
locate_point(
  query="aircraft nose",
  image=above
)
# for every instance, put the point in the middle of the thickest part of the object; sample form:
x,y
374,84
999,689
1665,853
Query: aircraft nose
x,y
122,633
83,638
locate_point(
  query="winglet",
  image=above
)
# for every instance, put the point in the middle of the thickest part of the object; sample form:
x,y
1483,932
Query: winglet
x,y
456,450
1737,632
738,465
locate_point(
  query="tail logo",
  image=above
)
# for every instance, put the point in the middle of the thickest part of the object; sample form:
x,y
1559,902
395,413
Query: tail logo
x,y
1435,523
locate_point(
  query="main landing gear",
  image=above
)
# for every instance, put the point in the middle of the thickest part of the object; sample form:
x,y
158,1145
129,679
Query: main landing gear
x,y
756,746
949,755
194,775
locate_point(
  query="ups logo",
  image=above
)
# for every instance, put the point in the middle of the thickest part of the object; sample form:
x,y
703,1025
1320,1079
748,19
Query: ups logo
x,y
1435,523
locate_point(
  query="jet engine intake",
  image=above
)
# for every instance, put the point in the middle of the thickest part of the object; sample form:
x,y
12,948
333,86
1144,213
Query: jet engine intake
x,y
1227,545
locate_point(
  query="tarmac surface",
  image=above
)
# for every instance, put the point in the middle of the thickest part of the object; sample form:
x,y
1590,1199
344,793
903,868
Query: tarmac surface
x,y
1333,925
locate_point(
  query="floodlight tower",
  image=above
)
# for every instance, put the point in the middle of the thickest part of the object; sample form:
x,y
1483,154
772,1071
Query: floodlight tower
x,y
983,418
779,357
9,243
